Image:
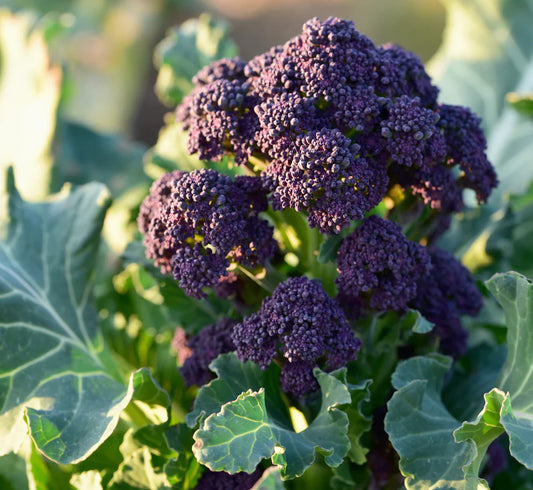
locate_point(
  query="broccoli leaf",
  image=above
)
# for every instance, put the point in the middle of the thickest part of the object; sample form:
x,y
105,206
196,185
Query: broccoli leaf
x,y
270,480
244,390
242,433
420,428
515,294
522,103
185,51
55,366
487,53
29,95
233,378
183,470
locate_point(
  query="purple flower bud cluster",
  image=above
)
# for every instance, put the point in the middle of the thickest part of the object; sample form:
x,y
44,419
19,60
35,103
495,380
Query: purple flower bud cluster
x,y
379,267
337,122
202,348
305,325
445,293
220,480
196,223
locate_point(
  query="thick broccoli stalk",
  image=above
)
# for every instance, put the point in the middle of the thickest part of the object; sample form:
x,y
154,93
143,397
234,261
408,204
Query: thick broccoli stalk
x,y
197,224
333,124
305,326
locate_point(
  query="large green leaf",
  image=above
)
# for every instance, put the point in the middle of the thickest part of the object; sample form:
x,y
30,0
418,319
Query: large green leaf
x,y
487,53
242,434
515,294
54,365
420,428
186,50
29,96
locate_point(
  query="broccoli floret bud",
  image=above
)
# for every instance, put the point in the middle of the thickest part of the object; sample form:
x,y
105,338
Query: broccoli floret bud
x,y
444,294
319,96
220,480
327,179
410,133
379,268
307,327
201,349
402,73
196,223
466,146
223,69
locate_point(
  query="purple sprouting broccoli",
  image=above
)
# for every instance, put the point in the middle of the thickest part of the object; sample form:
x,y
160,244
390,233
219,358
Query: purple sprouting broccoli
x,y
445,293
220,480
305,326
196,353
466,146
196,224
333,124
379,268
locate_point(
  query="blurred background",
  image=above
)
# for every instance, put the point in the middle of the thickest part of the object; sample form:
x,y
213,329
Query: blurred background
x,y
105,47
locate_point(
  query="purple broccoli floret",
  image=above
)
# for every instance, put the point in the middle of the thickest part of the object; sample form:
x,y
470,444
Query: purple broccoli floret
x,y
306,326
333,123
220,480
202,348
466,146
379,268
197,223
445,293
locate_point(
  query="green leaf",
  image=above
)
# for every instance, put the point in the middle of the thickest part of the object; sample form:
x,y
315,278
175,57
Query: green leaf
x,y
359,422
270,480
183,471
170,152
233,378
237,438
13,472
473,376
329,248
83,155
54,364
187,49
420,324
480,433
88,480
29,95
243,432
137,470
515,294
420,428
522,103
487,53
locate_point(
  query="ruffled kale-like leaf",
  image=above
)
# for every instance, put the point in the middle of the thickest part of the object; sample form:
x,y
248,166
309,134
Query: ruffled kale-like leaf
x,y
233,378
55,366
420,428
185,51
242,434
243,419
